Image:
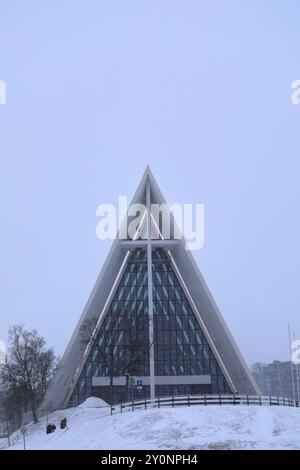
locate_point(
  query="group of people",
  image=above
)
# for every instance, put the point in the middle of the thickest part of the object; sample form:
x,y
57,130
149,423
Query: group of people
x,y
51,427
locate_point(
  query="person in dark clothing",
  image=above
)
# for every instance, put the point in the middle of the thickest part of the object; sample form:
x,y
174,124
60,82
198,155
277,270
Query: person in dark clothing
x,y
63,423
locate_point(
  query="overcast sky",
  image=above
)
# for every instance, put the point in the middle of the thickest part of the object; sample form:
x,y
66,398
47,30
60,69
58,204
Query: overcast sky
x,y
200,91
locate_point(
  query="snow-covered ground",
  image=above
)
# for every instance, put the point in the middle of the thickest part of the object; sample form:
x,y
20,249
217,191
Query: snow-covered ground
x,y
90,426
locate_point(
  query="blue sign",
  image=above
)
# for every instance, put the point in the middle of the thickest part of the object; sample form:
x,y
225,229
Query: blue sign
x,y
139,384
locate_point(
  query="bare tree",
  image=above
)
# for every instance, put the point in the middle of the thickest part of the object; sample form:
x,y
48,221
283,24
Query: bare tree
x,y
88,331
11,409
125,327
28,370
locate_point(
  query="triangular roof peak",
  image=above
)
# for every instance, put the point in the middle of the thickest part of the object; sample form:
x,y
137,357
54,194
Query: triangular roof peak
x,y
140,193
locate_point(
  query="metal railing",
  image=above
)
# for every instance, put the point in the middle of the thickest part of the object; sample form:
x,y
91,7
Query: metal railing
x,y
186,400
204,400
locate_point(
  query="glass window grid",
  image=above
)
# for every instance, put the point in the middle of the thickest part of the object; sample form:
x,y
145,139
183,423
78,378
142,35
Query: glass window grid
x,y
180,346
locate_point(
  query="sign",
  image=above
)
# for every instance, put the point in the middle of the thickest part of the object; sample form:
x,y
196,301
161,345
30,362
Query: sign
x,y
139,384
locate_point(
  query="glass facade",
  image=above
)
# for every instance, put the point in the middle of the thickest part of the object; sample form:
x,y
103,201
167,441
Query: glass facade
x,y
121,347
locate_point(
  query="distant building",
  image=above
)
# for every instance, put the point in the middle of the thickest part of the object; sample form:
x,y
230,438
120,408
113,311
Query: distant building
x,y
276,379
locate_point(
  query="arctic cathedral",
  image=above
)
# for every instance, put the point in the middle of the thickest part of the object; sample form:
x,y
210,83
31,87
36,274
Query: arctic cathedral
x,y
150,327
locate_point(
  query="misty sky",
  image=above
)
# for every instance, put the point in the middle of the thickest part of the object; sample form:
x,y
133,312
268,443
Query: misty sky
x,y
200,91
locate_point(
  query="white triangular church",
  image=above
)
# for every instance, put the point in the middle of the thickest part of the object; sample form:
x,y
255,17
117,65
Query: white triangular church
x,y
150,327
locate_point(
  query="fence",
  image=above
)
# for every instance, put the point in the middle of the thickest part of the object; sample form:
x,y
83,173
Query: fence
x,y
205,400
189,400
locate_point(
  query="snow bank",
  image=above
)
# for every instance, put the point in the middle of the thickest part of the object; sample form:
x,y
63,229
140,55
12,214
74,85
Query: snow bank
x,y
196,427
93,402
